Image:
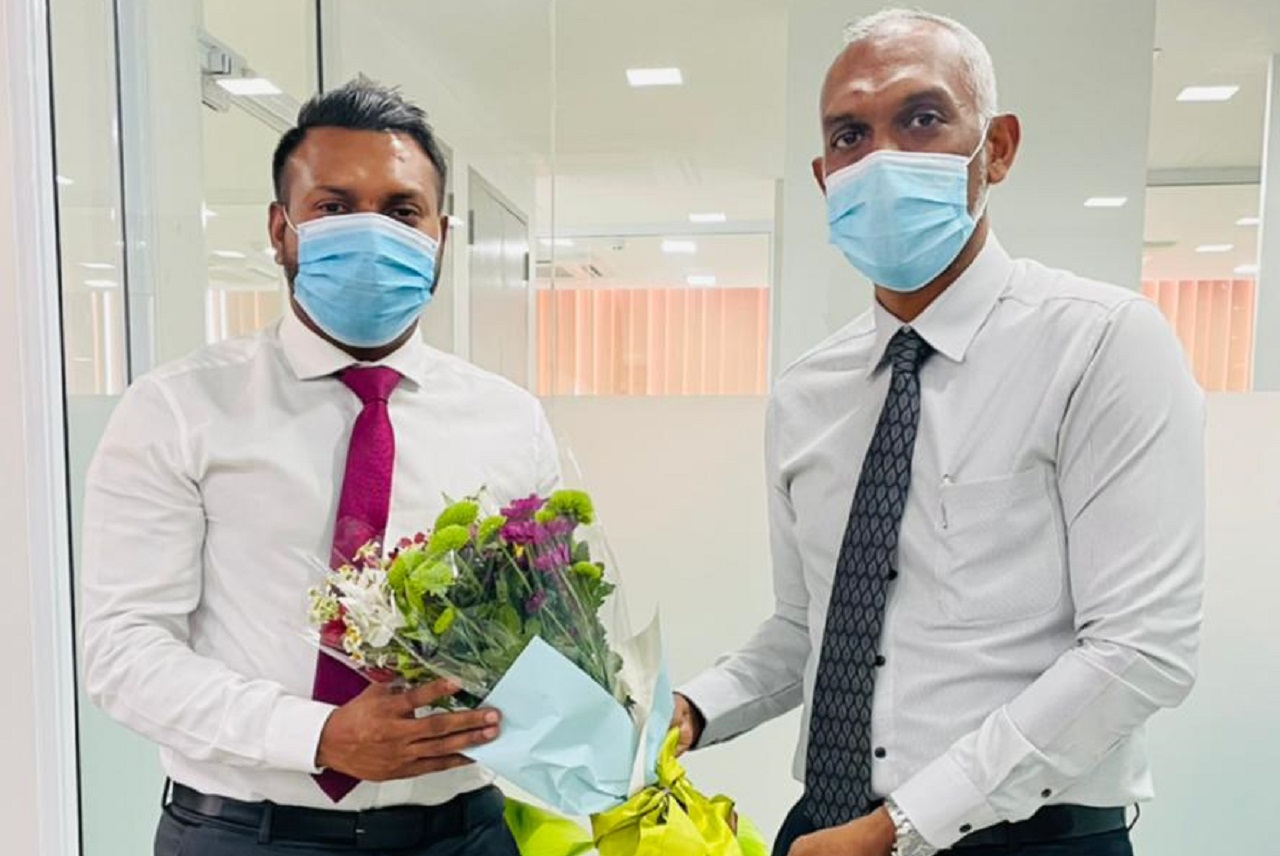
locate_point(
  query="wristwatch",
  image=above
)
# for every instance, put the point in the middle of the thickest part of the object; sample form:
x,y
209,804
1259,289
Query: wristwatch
x,y
908,841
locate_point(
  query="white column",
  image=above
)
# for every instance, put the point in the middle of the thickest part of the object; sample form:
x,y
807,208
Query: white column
x,y
37,720
162,137
1266,337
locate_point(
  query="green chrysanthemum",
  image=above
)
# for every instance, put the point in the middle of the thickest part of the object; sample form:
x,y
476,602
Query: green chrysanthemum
x,y
403,566
588,570
448,539
545,515
459,514
489,528
434,579
575,504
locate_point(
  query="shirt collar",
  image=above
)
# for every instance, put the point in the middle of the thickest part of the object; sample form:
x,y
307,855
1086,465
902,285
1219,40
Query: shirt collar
x,y
952,321
311,356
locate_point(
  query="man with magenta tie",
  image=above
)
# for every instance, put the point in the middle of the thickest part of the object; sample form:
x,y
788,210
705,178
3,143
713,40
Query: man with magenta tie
x,y
224,476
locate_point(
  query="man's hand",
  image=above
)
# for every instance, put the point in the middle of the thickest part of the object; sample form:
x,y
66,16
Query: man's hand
x,y
376,737
689,720
872,835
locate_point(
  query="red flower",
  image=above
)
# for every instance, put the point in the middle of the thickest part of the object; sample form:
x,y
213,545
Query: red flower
x,y
331,634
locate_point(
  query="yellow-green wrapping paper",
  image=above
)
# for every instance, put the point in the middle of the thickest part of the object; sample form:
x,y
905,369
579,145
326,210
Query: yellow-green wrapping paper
x,y
669,818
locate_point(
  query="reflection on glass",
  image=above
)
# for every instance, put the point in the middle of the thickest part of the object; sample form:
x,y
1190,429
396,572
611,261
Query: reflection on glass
x,y
686,315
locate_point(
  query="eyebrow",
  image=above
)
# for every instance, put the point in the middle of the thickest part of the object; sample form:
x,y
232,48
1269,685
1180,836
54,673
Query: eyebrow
x,y
932,95
347,195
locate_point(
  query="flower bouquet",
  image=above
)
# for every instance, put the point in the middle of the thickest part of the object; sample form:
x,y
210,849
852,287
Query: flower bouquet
x,y
515,606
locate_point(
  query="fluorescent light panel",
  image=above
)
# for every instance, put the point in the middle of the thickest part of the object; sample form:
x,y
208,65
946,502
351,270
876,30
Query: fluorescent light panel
x,y
1215,248
1247,270
701,280
1208,93
101,283
249,86
678,247
1249,221
65,182
1106,201
654,77
229,254
97,266
557,242
709,217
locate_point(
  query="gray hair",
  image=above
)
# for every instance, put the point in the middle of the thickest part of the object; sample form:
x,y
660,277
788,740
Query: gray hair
x,y
979,68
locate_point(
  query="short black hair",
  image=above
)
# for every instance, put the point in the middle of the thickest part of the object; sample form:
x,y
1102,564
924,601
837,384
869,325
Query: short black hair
x,y
361,105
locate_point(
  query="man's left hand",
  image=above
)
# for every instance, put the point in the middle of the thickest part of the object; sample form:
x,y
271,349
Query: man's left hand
x,y
872,835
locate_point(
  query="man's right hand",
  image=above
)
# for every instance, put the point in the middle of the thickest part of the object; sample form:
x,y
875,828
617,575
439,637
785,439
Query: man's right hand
x,y
376,737
689,720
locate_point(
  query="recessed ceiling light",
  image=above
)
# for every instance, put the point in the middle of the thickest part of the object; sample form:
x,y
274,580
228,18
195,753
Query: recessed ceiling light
x,y
101,283
1215,248
654,77
1106,201
249,86
1249,221
679,247
229,254
702,280
1247,270
97,266
558,242
709,217
1208,93
65,182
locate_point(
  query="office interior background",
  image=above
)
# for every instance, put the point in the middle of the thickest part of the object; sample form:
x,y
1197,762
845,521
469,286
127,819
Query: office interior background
x,y
635,237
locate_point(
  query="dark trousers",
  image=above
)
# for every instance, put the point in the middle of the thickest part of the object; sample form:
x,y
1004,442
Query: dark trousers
x,y
1116,843
181,834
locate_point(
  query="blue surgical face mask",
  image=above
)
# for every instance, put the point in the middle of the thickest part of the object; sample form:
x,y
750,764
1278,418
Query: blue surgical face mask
x,y
902,218
363,278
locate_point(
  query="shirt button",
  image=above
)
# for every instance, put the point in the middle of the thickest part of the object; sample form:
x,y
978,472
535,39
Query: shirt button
x,y
880,661
966,829
893,575
880,752
1046,793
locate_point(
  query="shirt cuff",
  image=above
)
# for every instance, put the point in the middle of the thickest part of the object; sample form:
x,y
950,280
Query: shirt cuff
x,y
943,804
293,734
718,696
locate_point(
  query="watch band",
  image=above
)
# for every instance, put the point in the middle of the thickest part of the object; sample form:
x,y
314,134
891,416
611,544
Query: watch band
x,y
907,841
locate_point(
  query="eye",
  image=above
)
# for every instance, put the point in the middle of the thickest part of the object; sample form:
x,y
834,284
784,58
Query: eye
x,y
847,139
332,208
924,121
406,214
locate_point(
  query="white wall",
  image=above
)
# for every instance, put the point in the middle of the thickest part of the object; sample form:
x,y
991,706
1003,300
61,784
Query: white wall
x,y
1075,144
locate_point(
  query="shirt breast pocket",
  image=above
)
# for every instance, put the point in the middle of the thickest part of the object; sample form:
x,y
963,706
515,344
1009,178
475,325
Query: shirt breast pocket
x,y
1000,548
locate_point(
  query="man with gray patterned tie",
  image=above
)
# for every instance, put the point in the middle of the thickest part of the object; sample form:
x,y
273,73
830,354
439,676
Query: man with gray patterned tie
x,y
986,501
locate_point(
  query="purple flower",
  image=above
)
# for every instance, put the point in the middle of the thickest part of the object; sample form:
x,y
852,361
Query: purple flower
x,y
520,532
535,603
522,510
549,560
559,527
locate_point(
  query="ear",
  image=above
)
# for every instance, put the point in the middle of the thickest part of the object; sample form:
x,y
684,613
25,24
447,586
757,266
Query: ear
x,y
444,239
1002,140
277,227
820,173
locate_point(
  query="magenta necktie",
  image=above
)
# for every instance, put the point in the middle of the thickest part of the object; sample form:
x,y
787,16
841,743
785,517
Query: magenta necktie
x,y
362,517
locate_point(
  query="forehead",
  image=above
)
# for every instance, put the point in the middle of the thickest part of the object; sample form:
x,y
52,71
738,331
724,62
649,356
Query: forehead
x,y
362,160
893,61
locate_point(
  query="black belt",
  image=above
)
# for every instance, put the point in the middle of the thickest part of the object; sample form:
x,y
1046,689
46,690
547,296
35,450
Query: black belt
x,y
376,829
1051,823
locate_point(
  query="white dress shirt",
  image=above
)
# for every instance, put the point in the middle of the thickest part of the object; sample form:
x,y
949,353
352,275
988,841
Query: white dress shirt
x,y
208,505
1050,558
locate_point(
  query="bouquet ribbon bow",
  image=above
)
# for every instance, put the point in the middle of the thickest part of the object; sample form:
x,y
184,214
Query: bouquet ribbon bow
x,y
668,818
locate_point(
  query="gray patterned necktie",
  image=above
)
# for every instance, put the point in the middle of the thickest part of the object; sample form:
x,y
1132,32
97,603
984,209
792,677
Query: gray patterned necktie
x,y
838,776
